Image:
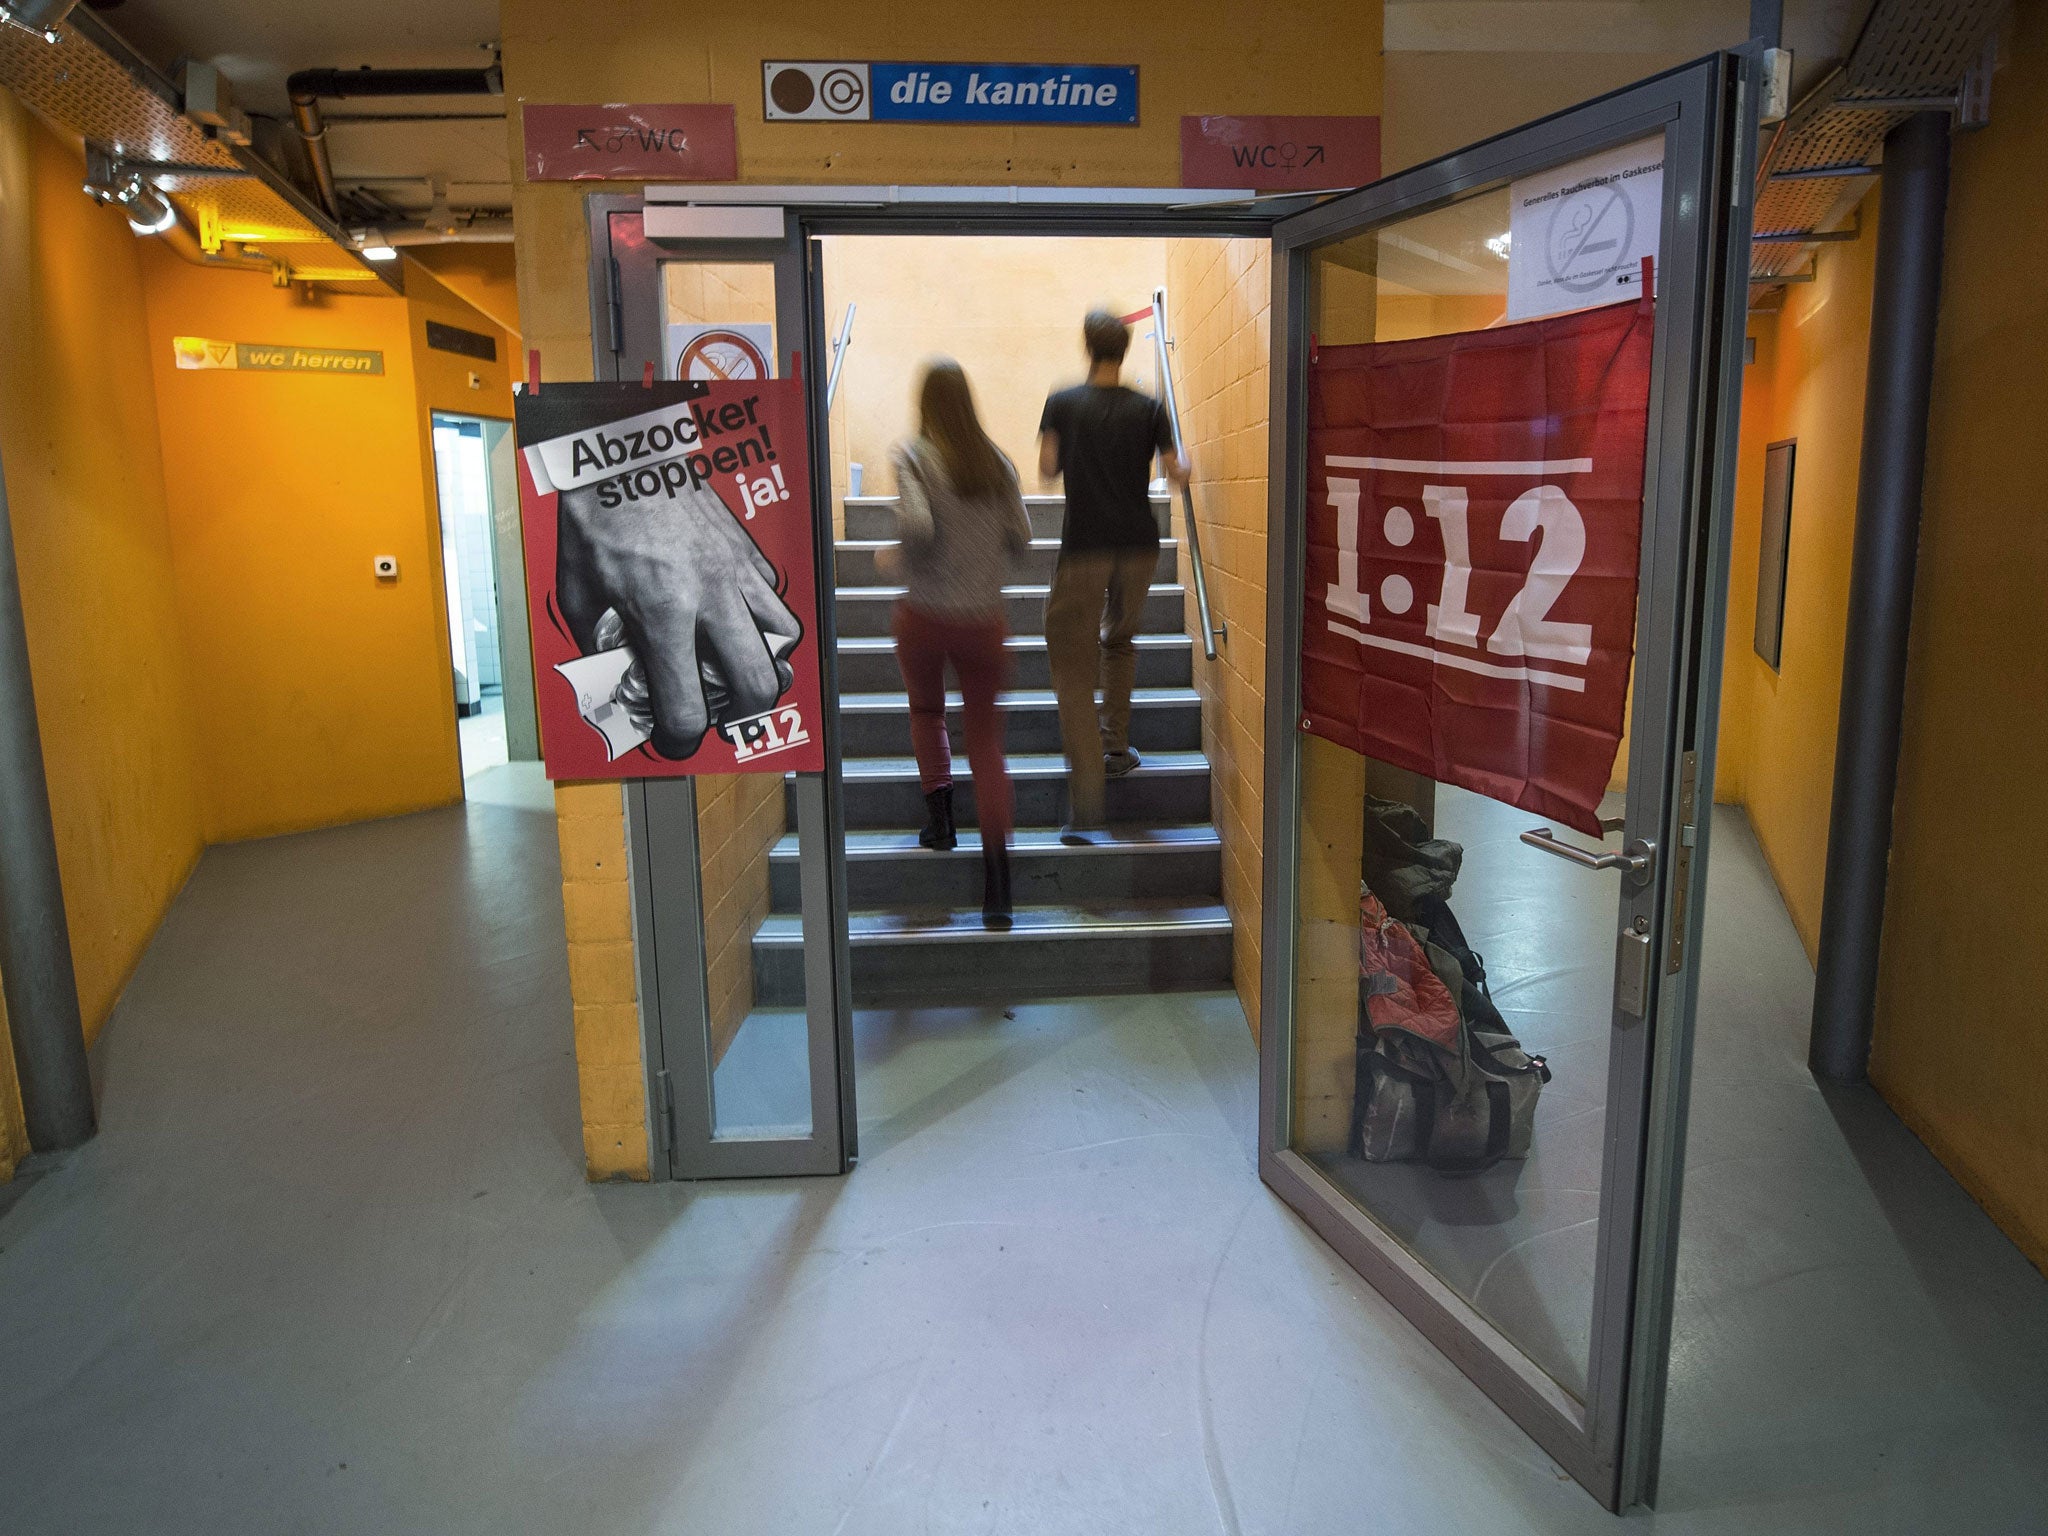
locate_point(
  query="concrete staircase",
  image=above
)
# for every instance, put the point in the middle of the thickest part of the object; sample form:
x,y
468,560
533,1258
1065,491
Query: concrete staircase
x,y
1139,911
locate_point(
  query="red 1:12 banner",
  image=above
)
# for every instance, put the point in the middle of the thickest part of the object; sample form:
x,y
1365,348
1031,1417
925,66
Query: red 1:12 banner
x,y
671,567
1475,510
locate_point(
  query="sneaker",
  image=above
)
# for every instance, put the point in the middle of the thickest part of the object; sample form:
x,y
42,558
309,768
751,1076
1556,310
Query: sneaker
x,y
1116,764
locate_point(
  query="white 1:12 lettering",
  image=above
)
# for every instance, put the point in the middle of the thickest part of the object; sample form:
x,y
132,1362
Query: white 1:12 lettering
x,y
1525,628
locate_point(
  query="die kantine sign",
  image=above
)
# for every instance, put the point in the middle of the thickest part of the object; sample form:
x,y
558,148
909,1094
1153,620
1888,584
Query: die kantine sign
x,y
845,90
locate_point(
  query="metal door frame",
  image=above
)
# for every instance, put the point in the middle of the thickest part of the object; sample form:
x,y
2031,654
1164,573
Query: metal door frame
x,y
661,814
1707,111
625,324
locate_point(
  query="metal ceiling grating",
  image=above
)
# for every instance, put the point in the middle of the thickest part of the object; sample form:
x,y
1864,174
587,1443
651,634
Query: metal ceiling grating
x,y
1908,49
90,83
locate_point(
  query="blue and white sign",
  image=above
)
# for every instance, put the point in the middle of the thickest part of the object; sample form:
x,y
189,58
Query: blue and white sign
x,y
802,90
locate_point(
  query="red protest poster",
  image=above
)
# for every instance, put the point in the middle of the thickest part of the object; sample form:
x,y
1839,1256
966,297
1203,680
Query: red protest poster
x,y
1475,509
671,569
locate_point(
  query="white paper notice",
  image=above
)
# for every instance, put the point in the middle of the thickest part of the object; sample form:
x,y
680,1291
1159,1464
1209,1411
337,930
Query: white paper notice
x,y
1579,232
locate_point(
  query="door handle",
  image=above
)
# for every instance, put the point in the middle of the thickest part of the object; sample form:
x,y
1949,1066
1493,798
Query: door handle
x,y
1638,859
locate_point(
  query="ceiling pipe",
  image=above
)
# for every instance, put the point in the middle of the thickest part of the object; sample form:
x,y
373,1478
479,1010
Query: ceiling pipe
x,y
313,134
475,232
308,86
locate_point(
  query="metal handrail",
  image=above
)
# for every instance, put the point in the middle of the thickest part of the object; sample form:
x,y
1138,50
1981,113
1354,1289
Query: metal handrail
x,y
1210,629
839,346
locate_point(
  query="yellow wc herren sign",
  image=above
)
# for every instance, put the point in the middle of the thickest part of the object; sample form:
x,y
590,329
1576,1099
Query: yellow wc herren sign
x,y
272,357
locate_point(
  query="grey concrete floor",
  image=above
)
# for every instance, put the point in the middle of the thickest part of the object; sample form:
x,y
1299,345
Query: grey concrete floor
x,y
331,1267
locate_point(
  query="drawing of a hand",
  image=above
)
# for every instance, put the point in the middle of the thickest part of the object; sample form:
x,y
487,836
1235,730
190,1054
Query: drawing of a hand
x,y
696,599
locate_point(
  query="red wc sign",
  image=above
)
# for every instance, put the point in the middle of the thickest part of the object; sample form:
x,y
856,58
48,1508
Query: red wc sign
x,y
1475,510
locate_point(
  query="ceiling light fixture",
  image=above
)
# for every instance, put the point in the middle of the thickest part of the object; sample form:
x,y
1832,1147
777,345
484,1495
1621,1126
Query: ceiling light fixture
x,y
149,211
110,182
375,247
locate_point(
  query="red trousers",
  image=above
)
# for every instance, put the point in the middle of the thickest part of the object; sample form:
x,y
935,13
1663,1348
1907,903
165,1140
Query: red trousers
x,y
925,642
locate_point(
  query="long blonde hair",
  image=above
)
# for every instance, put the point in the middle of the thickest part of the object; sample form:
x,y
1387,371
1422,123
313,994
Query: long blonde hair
x,y
948,422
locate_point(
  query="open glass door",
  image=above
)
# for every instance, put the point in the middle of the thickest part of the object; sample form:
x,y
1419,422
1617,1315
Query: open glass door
x,y
1499,506
740,927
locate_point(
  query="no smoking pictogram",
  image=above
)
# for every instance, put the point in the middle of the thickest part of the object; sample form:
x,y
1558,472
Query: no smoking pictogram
x,y
721,355
1590,238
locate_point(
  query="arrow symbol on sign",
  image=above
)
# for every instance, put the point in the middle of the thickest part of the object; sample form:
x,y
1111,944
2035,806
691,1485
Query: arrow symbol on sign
x,y
1315,153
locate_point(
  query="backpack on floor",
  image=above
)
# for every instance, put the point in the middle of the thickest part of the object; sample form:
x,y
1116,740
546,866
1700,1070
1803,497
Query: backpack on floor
x,y
1440,1078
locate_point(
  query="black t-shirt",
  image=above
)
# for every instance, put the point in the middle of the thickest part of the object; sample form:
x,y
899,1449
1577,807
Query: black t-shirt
x,y
1108,435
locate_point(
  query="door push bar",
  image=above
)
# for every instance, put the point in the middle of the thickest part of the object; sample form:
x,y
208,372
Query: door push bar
x,y
1638,859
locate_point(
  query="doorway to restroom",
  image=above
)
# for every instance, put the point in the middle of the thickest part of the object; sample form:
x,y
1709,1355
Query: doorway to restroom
x,y
490,653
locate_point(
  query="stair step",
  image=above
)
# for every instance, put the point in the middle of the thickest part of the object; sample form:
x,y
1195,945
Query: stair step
x,y
867,664
878,724
853,561
883,793
890,869
863,612
874,517
940,954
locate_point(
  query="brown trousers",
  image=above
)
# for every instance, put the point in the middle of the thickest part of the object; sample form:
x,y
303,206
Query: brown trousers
x,y
1095,608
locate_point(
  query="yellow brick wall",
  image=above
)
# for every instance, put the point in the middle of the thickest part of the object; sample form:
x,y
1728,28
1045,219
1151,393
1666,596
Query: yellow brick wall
x,y
598,916
739,818
1219,303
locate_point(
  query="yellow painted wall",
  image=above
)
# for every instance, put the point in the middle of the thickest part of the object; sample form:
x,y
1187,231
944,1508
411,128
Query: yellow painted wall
x,y
320,694
1777,755
481,275
79,428
1197,56
1007,309
1961,1031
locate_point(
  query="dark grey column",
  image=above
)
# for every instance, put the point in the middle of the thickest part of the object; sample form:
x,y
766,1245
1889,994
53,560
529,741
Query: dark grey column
x,y
1904,303
35,940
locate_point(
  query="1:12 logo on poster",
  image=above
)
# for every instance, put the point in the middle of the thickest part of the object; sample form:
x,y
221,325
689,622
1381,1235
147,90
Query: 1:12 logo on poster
x,y
763,735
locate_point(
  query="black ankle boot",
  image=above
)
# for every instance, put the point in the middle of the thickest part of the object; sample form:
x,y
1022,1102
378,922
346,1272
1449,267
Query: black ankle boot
x,y
938,832
995,885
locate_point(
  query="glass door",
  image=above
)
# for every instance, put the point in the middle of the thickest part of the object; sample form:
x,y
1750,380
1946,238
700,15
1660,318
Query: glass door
x,y
1499,506
740,929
